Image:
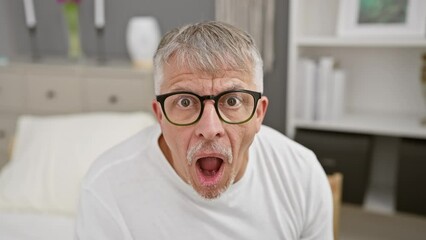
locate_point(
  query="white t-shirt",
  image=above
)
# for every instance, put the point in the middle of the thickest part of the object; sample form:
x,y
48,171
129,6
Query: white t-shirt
x,y
132,192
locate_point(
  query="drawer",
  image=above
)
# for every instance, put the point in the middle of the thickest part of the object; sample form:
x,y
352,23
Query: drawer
x,y
49,69
347,153
12,92
54,94
118,94
113,73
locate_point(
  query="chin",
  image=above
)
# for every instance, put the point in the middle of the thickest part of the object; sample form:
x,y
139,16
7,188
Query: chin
x,y
213,191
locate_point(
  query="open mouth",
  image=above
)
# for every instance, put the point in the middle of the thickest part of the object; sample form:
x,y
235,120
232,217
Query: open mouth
x,y
209,170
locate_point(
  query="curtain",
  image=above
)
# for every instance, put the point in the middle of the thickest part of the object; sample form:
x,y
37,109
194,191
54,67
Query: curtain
x,y
255,17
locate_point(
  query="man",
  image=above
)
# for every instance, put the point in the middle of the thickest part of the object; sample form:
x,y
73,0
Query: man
x,y
209,169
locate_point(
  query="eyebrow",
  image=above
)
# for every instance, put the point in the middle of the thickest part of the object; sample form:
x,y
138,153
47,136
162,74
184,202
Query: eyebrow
x,y
235,86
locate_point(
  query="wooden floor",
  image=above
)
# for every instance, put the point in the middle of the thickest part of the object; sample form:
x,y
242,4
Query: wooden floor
x,y
359,224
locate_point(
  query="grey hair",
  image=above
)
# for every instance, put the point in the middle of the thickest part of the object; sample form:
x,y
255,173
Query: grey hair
x,y
209,47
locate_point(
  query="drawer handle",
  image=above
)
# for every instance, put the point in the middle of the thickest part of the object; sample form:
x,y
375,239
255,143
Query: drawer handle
x,y
50,94
113,99
2,134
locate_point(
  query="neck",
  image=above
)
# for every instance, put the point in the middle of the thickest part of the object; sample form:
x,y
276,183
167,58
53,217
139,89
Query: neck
x,y
165,149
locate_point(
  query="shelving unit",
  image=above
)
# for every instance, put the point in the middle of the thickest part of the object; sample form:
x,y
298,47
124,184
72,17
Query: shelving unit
x,y
391,125
383,74
383,92
333,41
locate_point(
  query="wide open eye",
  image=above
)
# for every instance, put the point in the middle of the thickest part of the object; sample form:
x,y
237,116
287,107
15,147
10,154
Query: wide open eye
x,y
186,101
231,101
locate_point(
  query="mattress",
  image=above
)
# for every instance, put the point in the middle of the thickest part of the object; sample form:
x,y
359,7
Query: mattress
x,y
51,155
35,226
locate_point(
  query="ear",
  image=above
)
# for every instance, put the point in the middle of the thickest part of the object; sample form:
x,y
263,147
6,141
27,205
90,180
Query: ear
x,y
156,109
262,106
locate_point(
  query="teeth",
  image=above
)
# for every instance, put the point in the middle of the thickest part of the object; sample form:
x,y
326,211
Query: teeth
x,y
209,173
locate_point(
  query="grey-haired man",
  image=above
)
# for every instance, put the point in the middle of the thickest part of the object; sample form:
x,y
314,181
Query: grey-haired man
x,y
208,169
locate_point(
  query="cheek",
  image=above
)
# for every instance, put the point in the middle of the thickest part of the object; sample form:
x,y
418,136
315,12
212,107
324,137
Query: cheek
x,y
177,140
241,137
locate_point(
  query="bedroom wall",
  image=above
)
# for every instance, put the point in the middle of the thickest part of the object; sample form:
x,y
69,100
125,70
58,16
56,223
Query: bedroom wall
x,y
51,36
5,36
275,82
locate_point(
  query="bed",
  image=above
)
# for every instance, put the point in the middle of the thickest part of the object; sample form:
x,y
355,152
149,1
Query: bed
x,y
59,117
39,186
27,225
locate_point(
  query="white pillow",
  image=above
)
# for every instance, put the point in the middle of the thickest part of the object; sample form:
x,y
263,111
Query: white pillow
x,y
52,154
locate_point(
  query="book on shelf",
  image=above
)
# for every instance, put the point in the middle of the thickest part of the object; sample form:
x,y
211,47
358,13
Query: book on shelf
x,y
305,88
323,96
320,89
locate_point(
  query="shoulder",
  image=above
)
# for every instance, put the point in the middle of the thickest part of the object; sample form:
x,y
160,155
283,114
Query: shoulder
x,y
284,158
275,142
297,177
122,154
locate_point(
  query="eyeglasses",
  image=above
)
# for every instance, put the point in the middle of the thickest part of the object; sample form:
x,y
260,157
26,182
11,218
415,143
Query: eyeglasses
x,y
186,108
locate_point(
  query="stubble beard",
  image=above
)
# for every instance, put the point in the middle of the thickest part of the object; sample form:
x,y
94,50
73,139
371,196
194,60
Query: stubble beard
x,y
213,191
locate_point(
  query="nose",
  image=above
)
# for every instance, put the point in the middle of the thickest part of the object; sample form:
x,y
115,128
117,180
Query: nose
x,y
209,126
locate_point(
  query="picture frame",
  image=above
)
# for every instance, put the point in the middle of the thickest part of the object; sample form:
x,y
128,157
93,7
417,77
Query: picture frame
x,y
382,18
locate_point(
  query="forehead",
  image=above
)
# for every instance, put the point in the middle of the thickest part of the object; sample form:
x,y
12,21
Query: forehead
x,y
178,77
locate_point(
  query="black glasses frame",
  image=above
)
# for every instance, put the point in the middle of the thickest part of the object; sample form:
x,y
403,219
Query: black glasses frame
x,y
162,98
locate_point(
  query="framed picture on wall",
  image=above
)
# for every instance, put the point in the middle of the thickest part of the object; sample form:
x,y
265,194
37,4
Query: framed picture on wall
x,y
381,18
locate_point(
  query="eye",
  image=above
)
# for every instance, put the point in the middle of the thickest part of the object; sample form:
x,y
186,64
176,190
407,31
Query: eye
x,y
185,101
232,101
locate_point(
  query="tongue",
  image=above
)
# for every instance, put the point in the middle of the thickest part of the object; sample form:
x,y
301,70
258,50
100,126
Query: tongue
x,y
210,163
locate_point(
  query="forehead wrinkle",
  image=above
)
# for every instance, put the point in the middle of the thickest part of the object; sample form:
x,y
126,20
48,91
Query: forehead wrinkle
x,y
178,78
217,69
219,63
228,87
207,86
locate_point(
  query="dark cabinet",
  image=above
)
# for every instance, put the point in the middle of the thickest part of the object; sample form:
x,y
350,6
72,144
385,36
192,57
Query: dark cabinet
x,y
347,153
411,180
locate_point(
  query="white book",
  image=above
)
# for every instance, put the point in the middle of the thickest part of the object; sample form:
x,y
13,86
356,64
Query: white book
x,y
338,86
325,72
305,88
